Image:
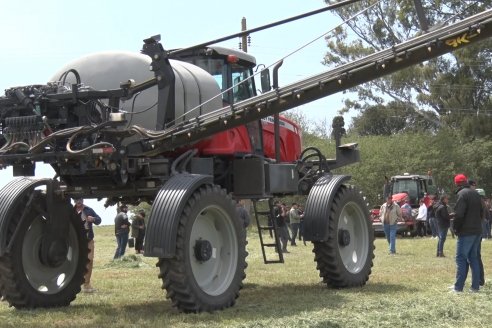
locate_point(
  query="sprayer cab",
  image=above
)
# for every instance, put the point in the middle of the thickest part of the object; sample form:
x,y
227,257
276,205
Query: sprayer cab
x,y
231,69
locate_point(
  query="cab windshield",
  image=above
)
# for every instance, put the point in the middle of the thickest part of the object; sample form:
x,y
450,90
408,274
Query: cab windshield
x,y
242,86
411,187
405,186
220,70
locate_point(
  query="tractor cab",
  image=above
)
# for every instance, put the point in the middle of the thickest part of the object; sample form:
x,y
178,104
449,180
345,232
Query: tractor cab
x,y
232,69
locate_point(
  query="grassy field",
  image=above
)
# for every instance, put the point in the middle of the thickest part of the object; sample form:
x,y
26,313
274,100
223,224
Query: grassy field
x,y
405,290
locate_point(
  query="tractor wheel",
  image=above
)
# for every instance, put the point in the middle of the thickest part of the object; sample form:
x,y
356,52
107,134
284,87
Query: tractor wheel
x,y
25,280
345,259
207,272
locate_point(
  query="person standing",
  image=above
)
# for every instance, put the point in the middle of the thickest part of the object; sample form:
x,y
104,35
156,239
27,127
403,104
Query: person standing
x,y
301,225
243,214
422,219
287,220
138,231
451,215
485,214
406,211
295,221
468,229
431,217
488,216
443,220
390,213
88,217
121,230
282,230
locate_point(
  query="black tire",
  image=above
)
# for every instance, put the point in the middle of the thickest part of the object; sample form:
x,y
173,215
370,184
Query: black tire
x,y
346,262
195,283
25,282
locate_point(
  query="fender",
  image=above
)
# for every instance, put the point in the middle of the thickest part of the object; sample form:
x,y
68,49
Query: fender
x,y
11,196
162,228
318,206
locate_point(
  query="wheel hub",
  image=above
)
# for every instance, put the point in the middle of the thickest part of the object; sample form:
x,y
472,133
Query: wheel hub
x,y
203,250
54,252
343,237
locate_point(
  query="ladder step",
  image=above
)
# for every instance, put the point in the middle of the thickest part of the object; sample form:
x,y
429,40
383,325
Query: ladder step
x,y
273,234
273,261
263,212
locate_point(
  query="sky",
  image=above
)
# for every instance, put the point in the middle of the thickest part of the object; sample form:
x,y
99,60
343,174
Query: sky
x,y
39,37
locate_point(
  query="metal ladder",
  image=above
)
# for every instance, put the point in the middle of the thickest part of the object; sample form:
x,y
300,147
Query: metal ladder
x,y
271,227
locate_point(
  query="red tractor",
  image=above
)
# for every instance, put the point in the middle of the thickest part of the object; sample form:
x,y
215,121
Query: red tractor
x,y
414,187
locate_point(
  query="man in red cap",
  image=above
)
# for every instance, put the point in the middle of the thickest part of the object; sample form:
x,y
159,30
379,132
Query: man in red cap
x,y
468,227
460,179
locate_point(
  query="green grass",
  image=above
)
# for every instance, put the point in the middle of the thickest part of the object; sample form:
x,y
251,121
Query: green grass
x,y
406,290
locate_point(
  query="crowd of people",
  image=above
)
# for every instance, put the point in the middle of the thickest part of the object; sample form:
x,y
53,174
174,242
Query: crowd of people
x,y
469,220
289,224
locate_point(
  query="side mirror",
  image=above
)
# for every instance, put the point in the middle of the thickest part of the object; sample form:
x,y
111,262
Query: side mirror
x,y
265,80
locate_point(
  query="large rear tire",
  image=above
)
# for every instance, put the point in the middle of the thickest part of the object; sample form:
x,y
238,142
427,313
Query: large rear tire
x,y
207,272
25,280
345,259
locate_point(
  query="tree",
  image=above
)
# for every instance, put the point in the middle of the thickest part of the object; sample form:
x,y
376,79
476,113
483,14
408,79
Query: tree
x,y
395,117
319,128
455,85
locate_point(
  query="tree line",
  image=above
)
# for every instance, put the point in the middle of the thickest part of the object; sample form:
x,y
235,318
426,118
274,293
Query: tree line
x,y
444,153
